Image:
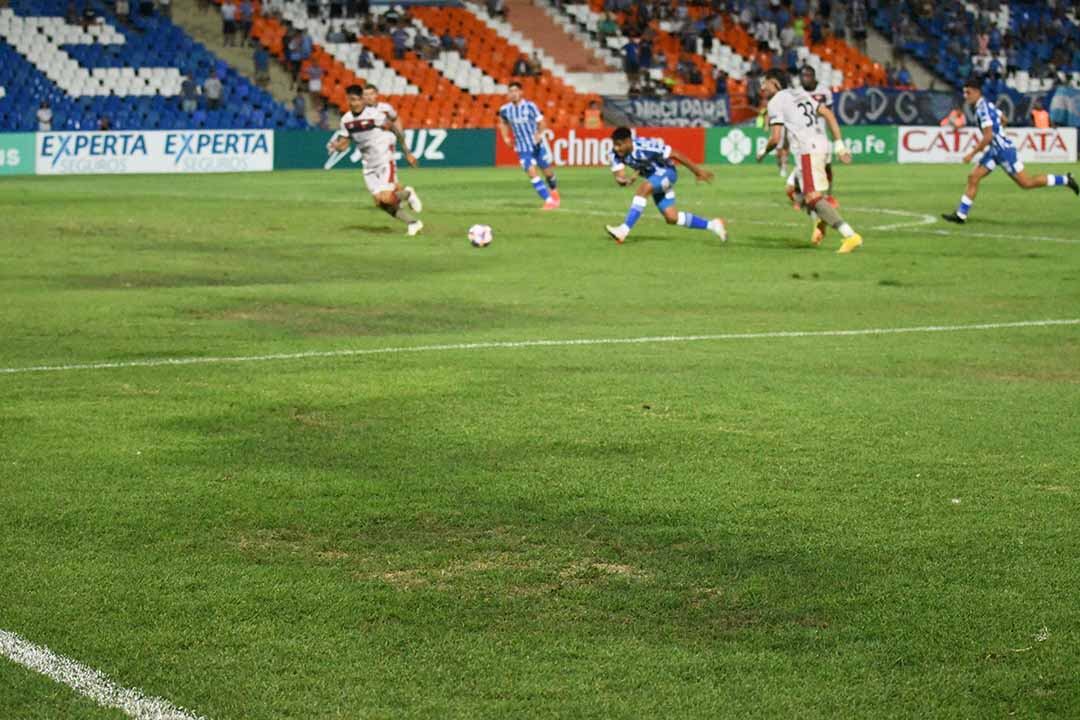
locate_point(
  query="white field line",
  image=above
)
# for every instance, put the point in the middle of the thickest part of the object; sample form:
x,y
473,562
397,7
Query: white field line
x,y
517,344
89,682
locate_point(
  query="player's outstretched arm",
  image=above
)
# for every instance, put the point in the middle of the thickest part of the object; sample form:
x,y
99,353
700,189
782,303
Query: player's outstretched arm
x,y
776,134
700,173
338,143
399,133
834,128
984,142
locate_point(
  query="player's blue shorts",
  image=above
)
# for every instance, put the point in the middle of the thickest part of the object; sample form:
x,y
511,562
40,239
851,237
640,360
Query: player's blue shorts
x,y
1006,158
662,182
538,156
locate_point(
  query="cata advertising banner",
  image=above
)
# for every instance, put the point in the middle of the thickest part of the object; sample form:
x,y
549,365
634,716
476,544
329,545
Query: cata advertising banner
x,y
433,147
584,146
740,145
935,144
154,151
16,153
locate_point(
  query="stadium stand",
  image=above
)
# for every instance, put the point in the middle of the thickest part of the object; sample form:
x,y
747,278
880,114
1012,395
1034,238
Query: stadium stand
x,y
1030,46
93,69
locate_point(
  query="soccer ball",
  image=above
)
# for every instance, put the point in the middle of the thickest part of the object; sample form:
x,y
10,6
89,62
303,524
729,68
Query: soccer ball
x,y
480,235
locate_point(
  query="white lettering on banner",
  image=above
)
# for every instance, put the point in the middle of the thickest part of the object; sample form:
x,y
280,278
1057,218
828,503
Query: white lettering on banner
x,y
935,144
41,39
424,144
574,150
158,151
10,158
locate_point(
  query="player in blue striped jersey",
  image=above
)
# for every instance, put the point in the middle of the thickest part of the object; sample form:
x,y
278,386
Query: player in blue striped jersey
x,y
522,119
999,150
654,160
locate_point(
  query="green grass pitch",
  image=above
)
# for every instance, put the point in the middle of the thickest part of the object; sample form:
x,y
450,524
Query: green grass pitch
x,y
815,526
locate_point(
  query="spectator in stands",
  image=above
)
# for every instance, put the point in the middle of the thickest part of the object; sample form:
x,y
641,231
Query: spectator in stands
x,y
293,53
446,42
44,117
631,62
189,95
838,20
337,8
536,67
314,78
903,77
246,14
71,15
299,106
262,66
336,35
164,7
324,115
660,60
364,60
400,39
721,83
104,124
1039,117
462,44
313,8
123,11
857,23
89,17
521,67
645,53
606,28
496,8
228,22
955,118
212,90
593,117
817,30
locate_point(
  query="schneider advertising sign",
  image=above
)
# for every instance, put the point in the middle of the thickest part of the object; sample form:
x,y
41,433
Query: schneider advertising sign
x,y
157,151
738,145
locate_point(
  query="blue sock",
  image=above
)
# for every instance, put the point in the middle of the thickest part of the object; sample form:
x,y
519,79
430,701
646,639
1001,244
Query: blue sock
x,y
1052,180
965,206
636,208
540,188
551,182
692,221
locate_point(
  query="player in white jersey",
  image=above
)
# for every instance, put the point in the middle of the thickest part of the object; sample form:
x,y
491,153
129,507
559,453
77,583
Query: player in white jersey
x,y
822,95
375,129
999,151
794,111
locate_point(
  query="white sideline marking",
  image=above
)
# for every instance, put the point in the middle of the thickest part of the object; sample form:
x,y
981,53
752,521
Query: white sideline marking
x,y
89,682
514,344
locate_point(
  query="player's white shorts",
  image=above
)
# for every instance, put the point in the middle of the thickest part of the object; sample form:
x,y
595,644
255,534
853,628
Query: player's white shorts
x,y
810,172
380,178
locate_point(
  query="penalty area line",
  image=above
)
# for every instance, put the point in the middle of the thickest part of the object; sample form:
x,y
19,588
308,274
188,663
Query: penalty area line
x,y
517,344
89,682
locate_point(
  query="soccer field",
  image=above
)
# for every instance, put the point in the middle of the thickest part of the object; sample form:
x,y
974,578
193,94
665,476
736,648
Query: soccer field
x,y
266,457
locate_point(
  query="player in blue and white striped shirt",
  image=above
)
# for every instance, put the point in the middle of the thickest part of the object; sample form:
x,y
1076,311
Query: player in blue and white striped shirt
x,y
654,160
522,118
999,151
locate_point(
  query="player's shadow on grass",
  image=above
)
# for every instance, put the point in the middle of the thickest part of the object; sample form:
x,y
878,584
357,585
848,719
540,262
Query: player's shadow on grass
x,y
373,229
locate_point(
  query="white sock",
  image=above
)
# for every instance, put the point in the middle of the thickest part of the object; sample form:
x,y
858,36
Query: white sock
x,y
845,230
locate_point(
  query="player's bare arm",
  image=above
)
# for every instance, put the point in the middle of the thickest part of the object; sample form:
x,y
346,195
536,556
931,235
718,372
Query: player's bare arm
x,y
504,132
834,128
701,174
338,143
620,177
984,142
776,134
541,127
399,133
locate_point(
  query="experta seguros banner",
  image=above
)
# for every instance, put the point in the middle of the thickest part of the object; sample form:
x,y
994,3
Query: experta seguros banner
x,y
154,151
936,144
